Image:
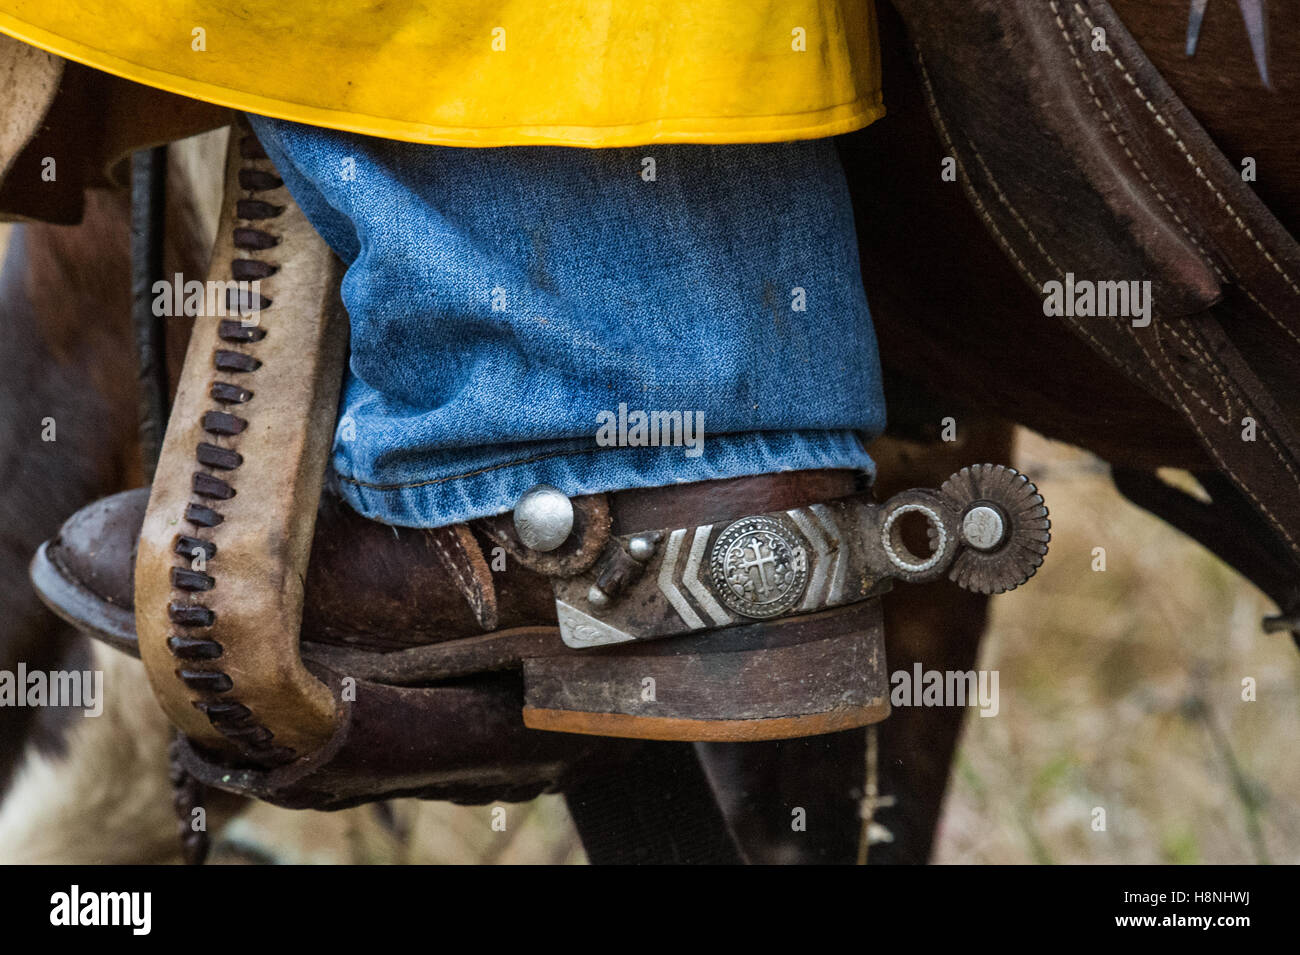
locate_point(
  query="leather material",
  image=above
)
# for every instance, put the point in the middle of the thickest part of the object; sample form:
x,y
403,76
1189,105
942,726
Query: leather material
x,y
463,743
1085,161
30,78
97,545
591,523
385,588
714,501
435,708
88,122
239,478
463,562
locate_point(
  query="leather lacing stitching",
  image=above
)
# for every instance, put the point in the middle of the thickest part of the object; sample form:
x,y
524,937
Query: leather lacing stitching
x,y
1200,174
189,641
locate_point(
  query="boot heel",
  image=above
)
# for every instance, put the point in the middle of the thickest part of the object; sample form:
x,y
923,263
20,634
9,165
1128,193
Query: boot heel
x,y
800,676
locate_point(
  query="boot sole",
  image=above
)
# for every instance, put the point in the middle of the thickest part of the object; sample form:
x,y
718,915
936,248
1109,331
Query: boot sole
x,y
80,606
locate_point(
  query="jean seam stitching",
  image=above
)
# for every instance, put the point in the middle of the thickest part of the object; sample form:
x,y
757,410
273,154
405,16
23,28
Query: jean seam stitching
x,y
357,482
456,477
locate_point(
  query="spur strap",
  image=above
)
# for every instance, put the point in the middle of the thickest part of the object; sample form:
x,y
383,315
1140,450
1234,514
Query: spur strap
x,y
987,529
226,537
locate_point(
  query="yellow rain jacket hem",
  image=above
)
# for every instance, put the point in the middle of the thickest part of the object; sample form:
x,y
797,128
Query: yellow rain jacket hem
x,y
591,73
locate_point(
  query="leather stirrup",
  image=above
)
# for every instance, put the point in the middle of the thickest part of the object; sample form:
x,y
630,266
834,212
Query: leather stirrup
x,y
224,548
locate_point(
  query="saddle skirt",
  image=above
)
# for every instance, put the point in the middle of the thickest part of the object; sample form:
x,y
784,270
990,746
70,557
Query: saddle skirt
x,y
1091,174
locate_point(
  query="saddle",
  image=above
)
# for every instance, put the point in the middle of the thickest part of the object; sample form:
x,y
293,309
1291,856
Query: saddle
x,y
69,128
1084,168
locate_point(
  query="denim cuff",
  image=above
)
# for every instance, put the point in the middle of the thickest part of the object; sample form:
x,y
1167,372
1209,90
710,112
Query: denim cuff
x,y
480,482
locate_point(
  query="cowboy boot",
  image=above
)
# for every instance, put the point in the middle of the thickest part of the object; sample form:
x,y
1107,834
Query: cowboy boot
x,y
672,613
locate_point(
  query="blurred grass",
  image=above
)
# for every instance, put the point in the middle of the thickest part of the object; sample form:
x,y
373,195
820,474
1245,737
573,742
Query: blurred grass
x,y
1122,689
405,832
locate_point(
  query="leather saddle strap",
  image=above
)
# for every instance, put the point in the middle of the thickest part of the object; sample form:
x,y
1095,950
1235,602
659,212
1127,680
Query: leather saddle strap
x,y
461,557
1224,400
1226,525
1080,159
226,537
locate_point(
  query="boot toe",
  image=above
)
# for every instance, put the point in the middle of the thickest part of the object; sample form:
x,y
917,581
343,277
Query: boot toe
x,y
85,574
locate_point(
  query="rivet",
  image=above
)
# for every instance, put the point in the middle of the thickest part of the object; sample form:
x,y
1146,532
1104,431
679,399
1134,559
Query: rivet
x,y
983,527
543,518
642,547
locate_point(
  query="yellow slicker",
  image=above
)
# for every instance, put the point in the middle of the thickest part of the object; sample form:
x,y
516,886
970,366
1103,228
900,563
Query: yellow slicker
x,y
595,73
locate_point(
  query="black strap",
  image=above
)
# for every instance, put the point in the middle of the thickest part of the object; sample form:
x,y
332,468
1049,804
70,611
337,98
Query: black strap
x,y
1227,526
148,212
657,810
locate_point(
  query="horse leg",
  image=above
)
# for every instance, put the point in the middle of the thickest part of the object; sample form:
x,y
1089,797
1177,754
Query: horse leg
x,y
67,414
68,436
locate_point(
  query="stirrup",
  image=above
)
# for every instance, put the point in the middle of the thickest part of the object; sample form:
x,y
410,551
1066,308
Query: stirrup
x,y
228,529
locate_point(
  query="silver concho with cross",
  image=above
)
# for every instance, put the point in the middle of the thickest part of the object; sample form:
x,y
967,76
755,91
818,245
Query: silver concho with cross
x,y
759,568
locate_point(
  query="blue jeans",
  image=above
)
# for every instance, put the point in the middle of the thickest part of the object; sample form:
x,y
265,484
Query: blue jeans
x,y
592,319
